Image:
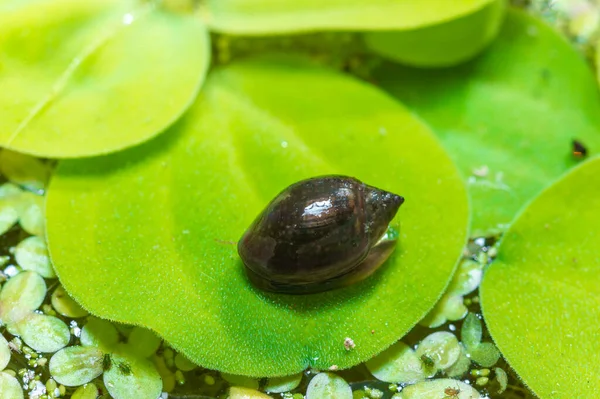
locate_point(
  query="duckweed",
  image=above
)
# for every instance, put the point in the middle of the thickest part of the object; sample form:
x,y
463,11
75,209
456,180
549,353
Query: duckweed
x,y
32,254
399,363
65,305
328,386
441,347
76,365
87,391
283,384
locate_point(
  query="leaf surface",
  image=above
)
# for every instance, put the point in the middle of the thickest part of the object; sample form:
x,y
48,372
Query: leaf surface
x,y
540,296
156,226
82,78
507,118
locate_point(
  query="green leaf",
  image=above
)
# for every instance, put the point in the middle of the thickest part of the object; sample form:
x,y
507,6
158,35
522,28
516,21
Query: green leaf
x,y
540,295
165,215
21,295
328,386
502,379
443,44
435,389
32,254
10,387
441,348
4,353
100,333
92,77
183,363
278,16
508,118
398,364
76,365
31,213
65,305
485,354
43,333
462,365
25,170
143,342
471,331
241,381
9,215
283,384
87,391
246,393
131,376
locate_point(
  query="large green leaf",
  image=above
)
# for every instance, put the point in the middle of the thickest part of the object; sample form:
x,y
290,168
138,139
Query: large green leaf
x,y
541,295
146,236
276,16
443,44
508,117
90,77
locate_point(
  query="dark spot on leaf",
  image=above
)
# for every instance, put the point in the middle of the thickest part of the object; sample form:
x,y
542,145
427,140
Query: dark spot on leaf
x,y
427,361
106,362
579,150
124,368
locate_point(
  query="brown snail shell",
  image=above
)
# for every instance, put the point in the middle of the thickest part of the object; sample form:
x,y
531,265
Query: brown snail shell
x,y
319,234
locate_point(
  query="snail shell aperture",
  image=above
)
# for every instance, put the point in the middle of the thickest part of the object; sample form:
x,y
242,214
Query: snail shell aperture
x,y
319,234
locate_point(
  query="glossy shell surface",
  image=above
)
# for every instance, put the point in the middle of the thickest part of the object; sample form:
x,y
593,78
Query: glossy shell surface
x,y
319,234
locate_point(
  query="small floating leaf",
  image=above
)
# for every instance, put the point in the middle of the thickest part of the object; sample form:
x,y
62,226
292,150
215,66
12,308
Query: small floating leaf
x,y
32,254
100,333
461,366
328,386
9,190
539,297
283,384
4,352
24,170
183,363
441,347
143,342
44,333
435,389
240,380
448,43
508,125
88,391
31,213
10,387
65,305
467,278
471,331
277,16
398,364
80,78
76,365
8,215
502,379
132,377
243,141
485,354
21,295
246,393
449,307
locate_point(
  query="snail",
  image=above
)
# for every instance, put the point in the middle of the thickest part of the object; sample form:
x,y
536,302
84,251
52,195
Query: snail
x,y
319,234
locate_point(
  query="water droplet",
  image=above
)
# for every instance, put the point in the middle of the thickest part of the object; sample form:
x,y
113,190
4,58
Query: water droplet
x,y
284,144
